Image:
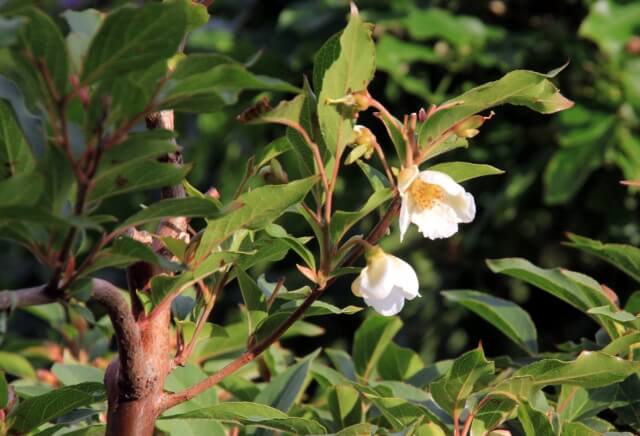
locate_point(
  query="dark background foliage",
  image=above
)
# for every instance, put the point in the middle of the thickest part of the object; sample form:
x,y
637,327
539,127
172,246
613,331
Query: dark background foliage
x,y
424,59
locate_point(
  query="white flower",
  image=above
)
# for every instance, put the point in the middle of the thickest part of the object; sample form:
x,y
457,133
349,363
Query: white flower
x,y
385,282
434,202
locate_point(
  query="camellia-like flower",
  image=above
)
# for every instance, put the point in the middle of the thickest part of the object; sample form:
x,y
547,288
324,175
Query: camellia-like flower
x,y
434,202
385,282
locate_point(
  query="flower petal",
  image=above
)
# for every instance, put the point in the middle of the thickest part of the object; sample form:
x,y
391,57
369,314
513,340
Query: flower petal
x,y
406,178
443,180
375,279
390,305
405,216
464,205
406,278
439,221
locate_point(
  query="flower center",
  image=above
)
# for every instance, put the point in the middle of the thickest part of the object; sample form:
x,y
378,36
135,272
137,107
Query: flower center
x,y
425,194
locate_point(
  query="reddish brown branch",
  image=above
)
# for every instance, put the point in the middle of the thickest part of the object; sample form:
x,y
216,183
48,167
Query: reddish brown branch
x,y
127,333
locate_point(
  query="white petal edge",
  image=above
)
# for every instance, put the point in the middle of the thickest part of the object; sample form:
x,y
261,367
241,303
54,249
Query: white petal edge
x,y
443,180
391,305
406,279
404,220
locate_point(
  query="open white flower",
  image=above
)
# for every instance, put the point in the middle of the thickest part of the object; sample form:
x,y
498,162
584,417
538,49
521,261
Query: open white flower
x,y
385,282
434,202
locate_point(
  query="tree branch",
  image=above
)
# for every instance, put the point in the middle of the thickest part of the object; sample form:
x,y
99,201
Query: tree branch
x,y
132,365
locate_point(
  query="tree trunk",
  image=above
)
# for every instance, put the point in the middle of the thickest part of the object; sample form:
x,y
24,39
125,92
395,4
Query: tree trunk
x,y
136,416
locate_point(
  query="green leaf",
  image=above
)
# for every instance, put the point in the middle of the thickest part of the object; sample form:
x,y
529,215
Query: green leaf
x,y
568,170
133,38
273,150
610,25
17,365
245,413
35,411
172,207
126,251
83,25
253,297
399,363
191,427
590,370
370,341
138,147
349,72
622,346
520,87
451,390
9,28
574,288
534,422
506,316
4,391
15,154
276,231
343,363
363,429
73,374
623,257
578,429
462,171
206,83
283,390
163,285
398,412
309,122
254,210
141,176
345,405
492,411
576,403
620,316
197,15
288,113
43,42
184,377
22,189
342,221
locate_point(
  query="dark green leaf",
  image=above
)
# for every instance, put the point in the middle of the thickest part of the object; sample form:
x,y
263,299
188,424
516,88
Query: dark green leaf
x,y
342,221
172,207
254,414
133,38
624,257
15,154
37,410
205,83
462,171
534,422
590,370
506,316
253,297
283,390
254,210
345,405
43,42
458,383
399,363
370,341
521,87
22,189
350,71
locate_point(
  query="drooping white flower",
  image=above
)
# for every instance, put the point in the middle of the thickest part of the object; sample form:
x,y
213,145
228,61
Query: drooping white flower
x,y
385,282
434,202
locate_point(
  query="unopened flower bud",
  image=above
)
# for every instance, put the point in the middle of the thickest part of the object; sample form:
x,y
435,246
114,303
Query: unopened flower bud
x,y
359,100
468,128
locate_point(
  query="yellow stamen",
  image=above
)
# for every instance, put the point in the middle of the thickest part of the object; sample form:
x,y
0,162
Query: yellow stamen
x,y
425,194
